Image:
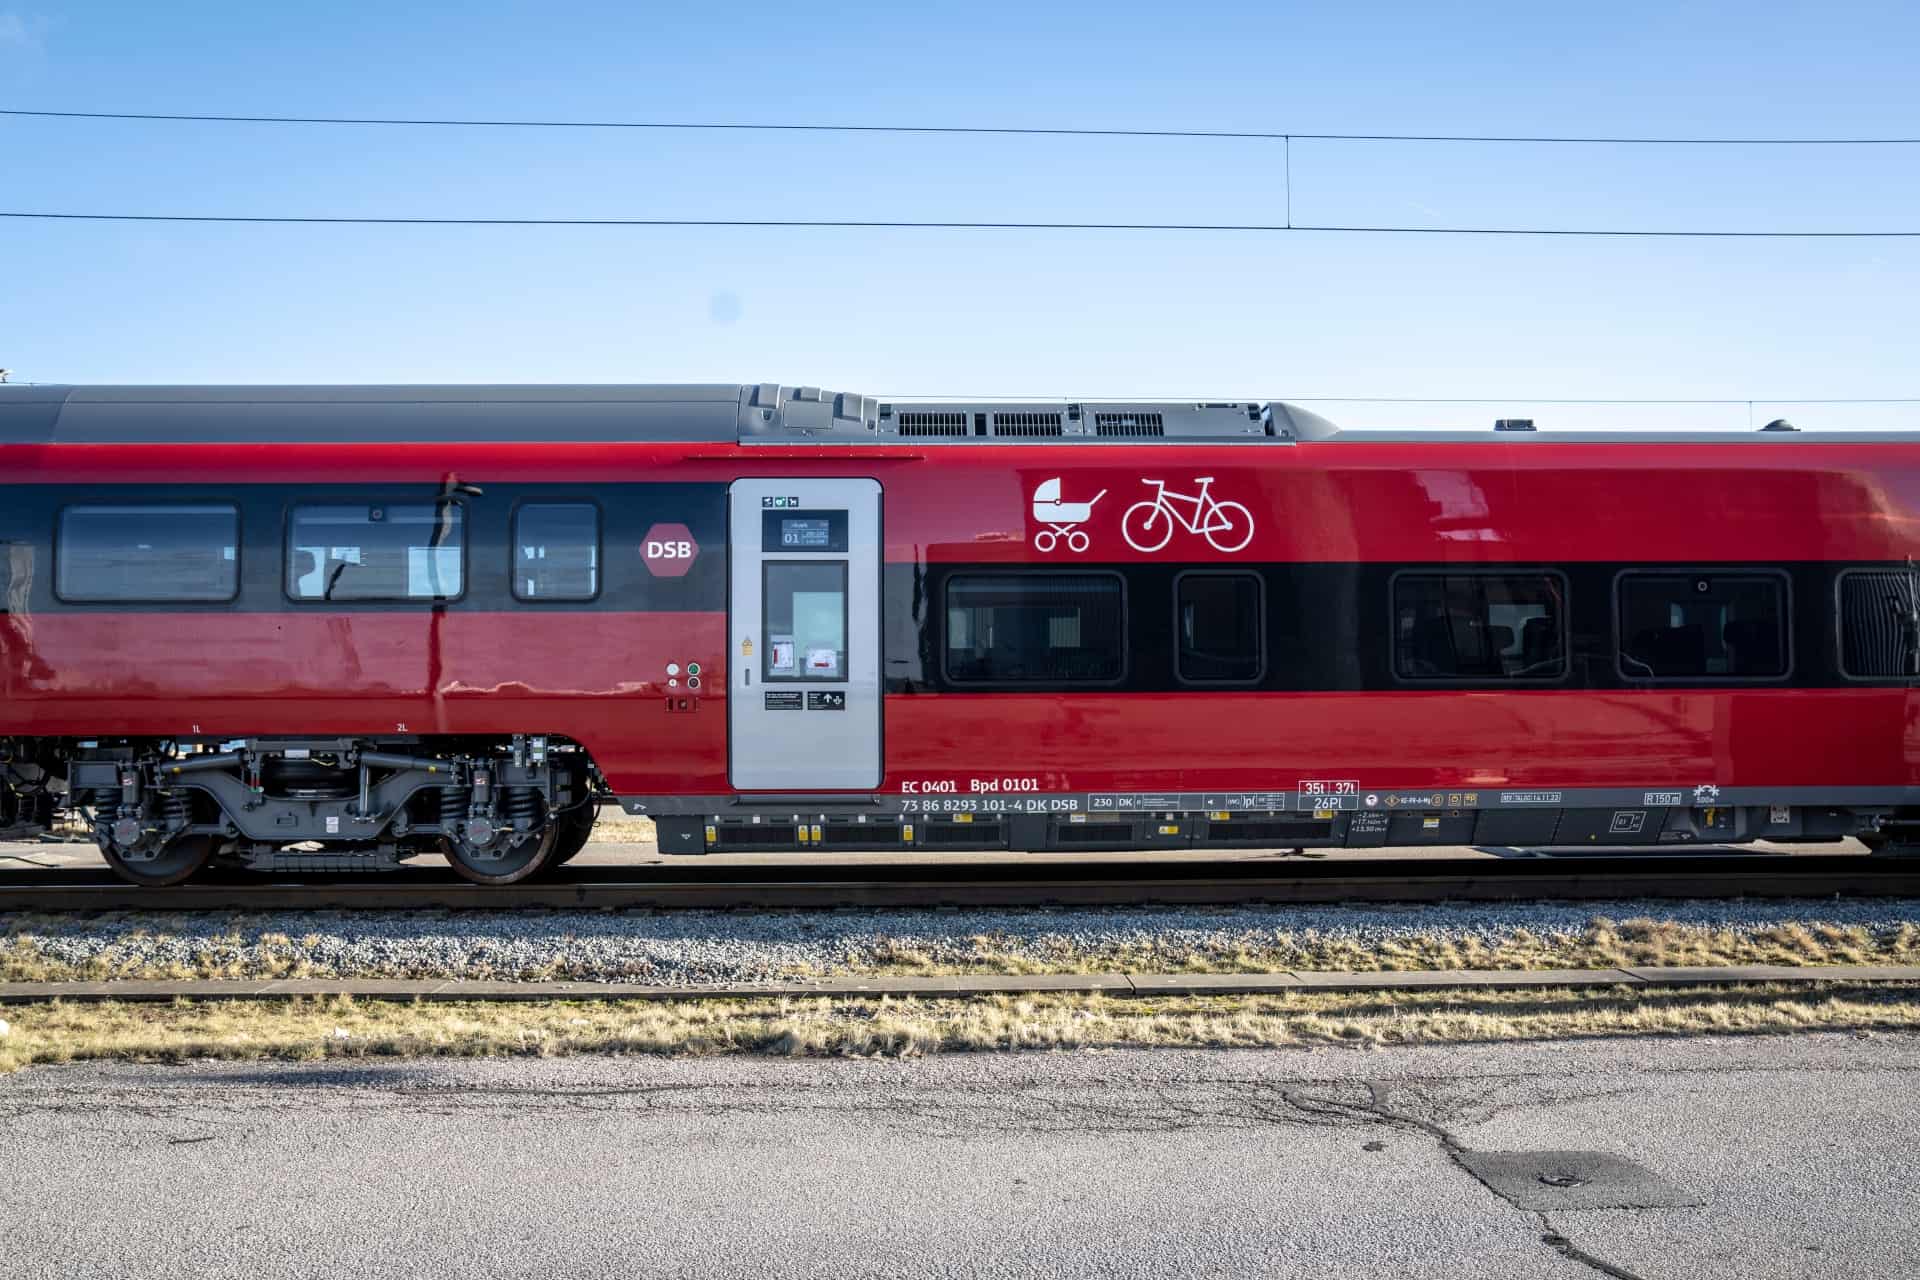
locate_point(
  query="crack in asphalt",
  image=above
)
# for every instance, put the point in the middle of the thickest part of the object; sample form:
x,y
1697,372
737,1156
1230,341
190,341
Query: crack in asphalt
x,y
1116,1105
1557,1241
1376,1107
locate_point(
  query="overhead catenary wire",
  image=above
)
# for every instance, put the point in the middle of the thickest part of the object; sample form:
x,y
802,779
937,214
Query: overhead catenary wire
x,y
1285,138
1266,135
910,224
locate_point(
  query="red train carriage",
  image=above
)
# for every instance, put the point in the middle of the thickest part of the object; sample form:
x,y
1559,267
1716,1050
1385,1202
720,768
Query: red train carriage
x,y
336,627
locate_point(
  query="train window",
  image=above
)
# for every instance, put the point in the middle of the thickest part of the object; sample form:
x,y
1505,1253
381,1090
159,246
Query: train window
x,y
157,553
1689,626
1879,624
1219,623
1479,626
805,603
556,551
378,551
1035,628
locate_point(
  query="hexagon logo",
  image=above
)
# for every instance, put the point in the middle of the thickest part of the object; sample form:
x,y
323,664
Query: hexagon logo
x,y
668,550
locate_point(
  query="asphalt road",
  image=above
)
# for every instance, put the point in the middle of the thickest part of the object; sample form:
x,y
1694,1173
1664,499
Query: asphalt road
x,y
1764,1157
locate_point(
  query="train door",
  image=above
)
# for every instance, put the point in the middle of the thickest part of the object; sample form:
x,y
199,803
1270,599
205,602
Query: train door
x,y
803,617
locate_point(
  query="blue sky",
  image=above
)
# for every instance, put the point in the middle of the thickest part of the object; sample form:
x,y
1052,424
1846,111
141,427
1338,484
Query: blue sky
x,y
976,312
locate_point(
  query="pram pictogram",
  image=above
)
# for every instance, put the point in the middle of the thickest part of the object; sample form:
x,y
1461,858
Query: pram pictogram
x,y
1060,517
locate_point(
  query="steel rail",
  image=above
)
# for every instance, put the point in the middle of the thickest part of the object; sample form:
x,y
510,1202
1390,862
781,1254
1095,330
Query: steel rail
x,y
1104,884
961,986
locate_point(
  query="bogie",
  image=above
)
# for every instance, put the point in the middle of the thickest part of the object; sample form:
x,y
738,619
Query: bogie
x,y
160,810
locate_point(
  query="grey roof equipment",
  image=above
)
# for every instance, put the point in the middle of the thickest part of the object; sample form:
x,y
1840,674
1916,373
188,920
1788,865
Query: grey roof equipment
x,y
707,413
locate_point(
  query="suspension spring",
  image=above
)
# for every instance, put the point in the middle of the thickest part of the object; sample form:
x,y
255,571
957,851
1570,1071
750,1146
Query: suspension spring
x,y
523,803
453,806
175,809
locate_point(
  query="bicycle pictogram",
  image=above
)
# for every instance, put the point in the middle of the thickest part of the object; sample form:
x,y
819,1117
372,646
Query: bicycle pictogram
x,y
1148,524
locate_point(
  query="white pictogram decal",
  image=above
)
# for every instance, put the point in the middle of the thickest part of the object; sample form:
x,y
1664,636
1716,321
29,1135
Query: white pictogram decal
x,y
1060,517
1706,793
1627,822
1148,524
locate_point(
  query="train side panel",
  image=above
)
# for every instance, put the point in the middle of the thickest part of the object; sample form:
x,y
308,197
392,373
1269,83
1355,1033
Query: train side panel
x,y
1324,528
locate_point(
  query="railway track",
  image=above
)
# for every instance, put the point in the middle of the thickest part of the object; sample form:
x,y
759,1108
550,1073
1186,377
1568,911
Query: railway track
x,y
1000,884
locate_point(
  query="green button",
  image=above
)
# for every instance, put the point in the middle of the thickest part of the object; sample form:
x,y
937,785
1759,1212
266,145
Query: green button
x,y
693,668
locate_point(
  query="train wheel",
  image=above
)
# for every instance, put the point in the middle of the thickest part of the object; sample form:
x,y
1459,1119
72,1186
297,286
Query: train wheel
x,y
179,860
576,828
509,866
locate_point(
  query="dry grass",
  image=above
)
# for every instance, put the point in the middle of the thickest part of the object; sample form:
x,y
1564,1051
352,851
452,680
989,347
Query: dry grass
x,y
615,827
346,1028
232,955
1602,944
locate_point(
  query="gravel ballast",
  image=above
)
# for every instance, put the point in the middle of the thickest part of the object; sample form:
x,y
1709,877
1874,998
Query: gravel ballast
x,y
697,948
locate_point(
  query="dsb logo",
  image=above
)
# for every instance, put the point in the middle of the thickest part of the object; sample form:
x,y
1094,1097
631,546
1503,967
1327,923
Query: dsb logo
x,y
669,550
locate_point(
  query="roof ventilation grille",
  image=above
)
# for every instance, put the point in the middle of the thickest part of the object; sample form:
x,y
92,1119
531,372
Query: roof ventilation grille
x,y
1129,424
1026,424
932,423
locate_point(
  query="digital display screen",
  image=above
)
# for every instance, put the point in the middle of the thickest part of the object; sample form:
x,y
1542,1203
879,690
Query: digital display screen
x,y
806,535
807,531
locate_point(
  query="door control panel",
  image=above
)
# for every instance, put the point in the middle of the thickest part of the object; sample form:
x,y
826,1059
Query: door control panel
x,y
680,682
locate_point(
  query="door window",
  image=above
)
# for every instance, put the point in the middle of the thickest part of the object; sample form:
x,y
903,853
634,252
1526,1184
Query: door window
x,y
806,620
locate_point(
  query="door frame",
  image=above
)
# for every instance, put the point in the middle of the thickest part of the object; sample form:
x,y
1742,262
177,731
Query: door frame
x,y
875,631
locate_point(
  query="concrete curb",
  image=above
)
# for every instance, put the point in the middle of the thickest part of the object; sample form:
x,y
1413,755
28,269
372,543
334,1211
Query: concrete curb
x,y
1114,984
